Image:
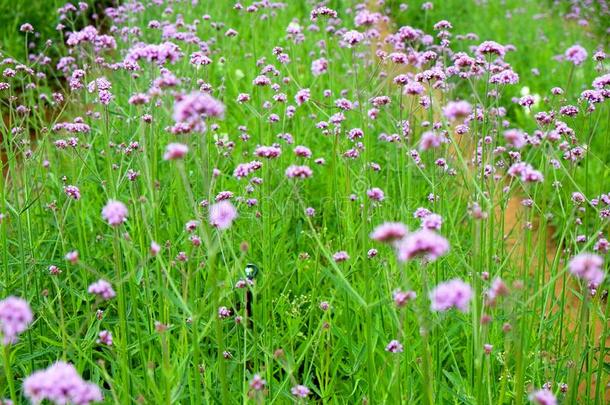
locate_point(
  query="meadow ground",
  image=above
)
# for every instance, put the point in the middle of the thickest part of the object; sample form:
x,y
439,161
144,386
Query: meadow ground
x,y
304,202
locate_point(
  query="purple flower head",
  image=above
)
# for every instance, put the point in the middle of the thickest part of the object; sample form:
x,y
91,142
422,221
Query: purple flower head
x,y
199,58
455,110
302,151
224,313
498,288
269,152
394,347
222,214
155,248
526,172
602,81
245,169
451,294
352,38
402,297
322,11
114,212
375,194
72,256
491,48
340,256
60,384
15,317
432,222
389,232
543,397
27,27
175,151
257,383
319,66
195,107
72,192
300,391
515,138
424,243
157,53
299,172
102,289
588,266
576,54
302,96
105,338
507,76
430,140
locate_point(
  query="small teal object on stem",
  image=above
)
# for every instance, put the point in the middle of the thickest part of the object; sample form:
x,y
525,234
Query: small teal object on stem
x,y
251,271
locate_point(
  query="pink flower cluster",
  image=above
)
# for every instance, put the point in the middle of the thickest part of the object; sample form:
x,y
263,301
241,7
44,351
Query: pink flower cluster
x,y
269,152
245,169
394,347
526,172
300,391
89,34
576,54
422,243
72,192
195,107
389,232
455,110
425,243
451,294
103,289
588,266
174,151
15,317
543,397
105,338
222,214
257,383
60,384
300,172
159,54
115,213
73,127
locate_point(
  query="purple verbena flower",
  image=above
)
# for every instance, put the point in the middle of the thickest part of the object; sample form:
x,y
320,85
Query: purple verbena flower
x,y
588,266
114,212
424,243
451,294
15,317
60,384
222,214
102,289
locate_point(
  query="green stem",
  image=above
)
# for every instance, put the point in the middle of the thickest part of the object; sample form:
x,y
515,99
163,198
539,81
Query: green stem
x,y
428,379
123,334
9,373
580,344
222,364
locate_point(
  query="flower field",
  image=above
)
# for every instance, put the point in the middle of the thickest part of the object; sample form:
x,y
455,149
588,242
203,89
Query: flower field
x,y
331,202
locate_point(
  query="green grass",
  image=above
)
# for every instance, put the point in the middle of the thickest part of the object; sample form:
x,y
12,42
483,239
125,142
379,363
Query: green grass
x,y
168,338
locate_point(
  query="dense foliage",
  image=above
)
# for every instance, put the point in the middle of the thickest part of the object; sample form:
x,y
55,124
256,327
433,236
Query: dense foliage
x,y
265,202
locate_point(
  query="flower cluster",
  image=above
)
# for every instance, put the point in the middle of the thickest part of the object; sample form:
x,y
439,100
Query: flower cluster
x,y
588,266
451,294
103,289
15,318
60,384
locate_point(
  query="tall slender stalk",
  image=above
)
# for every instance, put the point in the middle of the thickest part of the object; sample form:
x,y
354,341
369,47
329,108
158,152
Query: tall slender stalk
x,y
8,371
124,358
